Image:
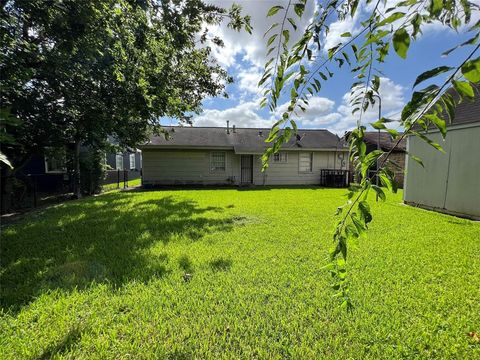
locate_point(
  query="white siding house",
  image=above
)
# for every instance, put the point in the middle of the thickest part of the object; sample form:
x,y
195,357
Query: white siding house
x,y
221,156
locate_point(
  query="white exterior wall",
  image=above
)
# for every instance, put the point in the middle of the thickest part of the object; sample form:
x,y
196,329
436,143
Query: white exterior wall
x,y
181,167
449,182
289,174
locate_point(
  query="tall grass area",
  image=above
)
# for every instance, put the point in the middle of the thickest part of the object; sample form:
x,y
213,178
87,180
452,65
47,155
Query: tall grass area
x,y
235,274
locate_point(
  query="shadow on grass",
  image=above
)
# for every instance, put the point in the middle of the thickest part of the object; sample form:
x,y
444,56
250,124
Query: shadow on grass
x,y
221,264
68,341
105,239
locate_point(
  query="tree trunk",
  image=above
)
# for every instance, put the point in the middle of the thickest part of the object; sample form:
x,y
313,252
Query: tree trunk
x,y
6,189
77,191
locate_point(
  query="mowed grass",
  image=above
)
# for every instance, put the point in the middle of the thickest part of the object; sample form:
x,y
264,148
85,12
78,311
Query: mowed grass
x,y
235,274
120,185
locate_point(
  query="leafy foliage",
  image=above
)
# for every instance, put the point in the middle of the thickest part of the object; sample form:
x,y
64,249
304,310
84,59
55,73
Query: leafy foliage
x,y
299,70
83,71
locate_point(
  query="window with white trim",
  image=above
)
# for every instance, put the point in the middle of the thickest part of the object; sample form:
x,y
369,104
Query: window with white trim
x,y
119,162
55,161
132,161
280,157
217,161
305,162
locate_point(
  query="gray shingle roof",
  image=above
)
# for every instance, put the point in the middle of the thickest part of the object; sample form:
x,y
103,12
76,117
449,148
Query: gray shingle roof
x,y
386,140
468,110
243,140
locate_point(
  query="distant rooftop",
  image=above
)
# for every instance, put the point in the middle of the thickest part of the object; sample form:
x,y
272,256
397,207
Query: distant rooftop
x,y
386,140
242,140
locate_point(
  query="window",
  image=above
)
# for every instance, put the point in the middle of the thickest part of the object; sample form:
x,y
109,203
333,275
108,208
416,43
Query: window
x,y
217,161
305,162
280,157
55,161
132,161
119,162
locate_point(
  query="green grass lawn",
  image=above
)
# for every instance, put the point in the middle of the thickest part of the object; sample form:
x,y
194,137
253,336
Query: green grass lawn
x,y
105,277
115,186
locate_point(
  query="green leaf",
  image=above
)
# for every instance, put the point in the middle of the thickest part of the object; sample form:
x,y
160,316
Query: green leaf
x,y
365,211
369,160
428,141
394,133
379,124
380,193
463,88
418,160
299,9
471,41
354,5
346,34
292,22
274,9
401,42
359,223
270,28
387,179
471,70
395,16
431,73
439,123
271,39
436,7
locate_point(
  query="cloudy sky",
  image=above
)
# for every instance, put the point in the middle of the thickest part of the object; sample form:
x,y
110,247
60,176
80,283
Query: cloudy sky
x,y
244,56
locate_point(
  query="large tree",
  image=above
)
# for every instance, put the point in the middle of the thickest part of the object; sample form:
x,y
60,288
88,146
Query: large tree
x,y
300,69
77,72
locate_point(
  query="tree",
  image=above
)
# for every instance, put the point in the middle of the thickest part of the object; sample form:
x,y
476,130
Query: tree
x,y
300,70
75,72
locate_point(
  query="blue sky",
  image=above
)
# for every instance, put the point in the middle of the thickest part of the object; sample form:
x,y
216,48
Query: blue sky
x,y
244,56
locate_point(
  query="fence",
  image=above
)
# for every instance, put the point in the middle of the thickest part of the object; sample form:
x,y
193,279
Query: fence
x,y
33,190
28,191
116,179
334,178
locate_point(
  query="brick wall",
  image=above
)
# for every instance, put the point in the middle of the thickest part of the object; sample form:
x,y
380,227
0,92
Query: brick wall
x,y
398,158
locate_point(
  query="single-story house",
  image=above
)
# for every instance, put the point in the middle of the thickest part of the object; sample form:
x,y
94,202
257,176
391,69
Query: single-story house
x,y
232,156
449,182
123,165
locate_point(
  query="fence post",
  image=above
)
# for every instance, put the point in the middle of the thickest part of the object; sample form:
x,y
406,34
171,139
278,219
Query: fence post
x,y
34,191
124,179
118,178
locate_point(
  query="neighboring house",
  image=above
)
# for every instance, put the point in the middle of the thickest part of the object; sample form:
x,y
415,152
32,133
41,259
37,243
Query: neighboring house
x,y
131,161
449,182
222,156
48,172
373,139
384,141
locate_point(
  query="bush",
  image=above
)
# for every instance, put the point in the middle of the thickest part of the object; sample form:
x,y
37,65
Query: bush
x,y
92,171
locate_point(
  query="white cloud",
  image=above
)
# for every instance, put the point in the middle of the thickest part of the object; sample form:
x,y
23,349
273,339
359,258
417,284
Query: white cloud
x,y
322,112
392,97
337,28
242,115
318,112
252,47
247,80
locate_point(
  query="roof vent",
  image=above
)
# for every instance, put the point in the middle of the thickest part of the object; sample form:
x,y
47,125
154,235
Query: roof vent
x,y
234,129
228,127
260,133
